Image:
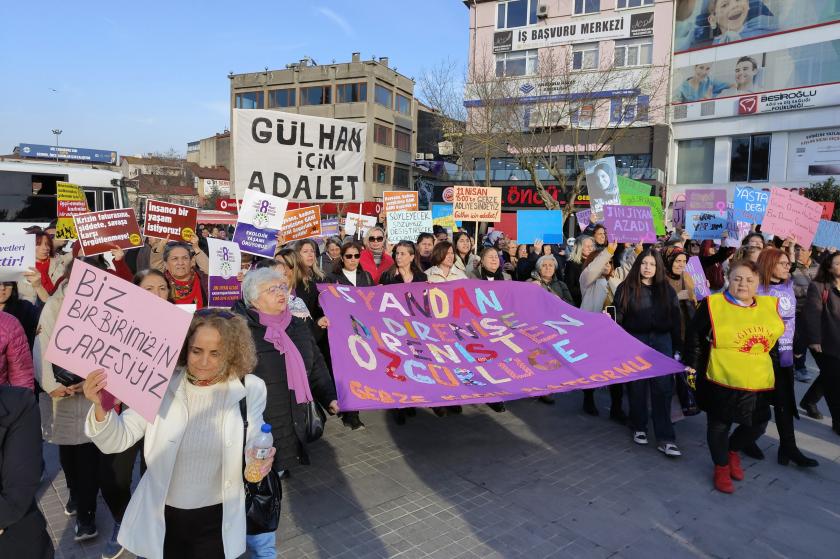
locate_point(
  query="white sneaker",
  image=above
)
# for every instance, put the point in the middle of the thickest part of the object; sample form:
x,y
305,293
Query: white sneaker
x,y
669,449
640,437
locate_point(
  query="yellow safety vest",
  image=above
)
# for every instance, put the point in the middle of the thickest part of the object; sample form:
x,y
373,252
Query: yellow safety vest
x,y
742,340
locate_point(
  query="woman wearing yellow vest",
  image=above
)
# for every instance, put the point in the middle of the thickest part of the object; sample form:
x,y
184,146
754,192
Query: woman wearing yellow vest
x,y
729,343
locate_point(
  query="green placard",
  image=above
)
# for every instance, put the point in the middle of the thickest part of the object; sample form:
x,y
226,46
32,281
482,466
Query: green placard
x,y
632,188
655,203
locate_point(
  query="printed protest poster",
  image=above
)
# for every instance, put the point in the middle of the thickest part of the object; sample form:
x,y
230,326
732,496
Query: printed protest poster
x,y
477,203
442,215
539,225
655,205
791,215
260,220
302,223
602,184
329,227
630,187
70,200
358,224
584,218
223,289
298,157
701,285
828,210
111,324
629,224
471,341
712,200
169,221
17,255
400,201
705,213
102,231
406,226
827,235
750,204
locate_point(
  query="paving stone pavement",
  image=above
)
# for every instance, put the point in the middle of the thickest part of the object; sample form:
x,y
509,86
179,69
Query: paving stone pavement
x,y
537,481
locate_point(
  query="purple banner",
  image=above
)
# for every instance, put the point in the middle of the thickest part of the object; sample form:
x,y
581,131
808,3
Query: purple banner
x,y
701,286
223,293
629,224
472,341
253,240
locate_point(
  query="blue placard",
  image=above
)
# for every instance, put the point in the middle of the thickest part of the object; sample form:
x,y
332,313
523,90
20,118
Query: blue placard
x,y
828,234
441,211
39,151
543,225
750,204
701,225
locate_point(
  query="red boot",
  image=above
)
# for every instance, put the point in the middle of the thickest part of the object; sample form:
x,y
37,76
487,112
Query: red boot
x,y
736,472
723,482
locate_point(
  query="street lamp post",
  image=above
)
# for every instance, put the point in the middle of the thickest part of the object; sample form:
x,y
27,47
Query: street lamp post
x,y
57,133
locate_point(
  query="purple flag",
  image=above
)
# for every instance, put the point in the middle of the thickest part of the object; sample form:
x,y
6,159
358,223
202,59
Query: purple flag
x,y
472,341
701,285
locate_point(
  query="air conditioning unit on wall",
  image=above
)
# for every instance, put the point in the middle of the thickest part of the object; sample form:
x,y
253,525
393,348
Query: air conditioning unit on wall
x,y
542,11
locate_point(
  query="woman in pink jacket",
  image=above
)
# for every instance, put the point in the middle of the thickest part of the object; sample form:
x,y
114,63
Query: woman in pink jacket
x,y
15,358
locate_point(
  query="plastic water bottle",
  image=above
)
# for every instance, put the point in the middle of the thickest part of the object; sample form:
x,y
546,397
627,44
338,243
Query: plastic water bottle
x,y
260,449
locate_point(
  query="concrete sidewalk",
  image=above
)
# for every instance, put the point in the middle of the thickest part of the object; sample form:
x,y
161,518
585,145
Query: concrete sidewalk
x,y
537,481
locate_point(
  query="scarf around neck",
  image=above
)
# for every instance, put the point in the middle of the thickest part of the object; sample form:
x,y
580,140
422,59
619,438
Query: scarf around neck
x,y
275,333
186,292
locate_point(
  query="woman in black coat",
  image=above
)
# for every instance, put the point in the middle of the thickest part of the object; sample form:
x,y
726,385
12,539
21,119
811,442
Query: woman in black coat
x,y
347,270
23,530
264,306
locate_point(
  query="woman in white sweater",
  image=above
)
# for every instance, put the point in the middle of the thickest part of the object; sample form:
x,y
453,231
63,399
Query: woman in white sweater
x,y
191,500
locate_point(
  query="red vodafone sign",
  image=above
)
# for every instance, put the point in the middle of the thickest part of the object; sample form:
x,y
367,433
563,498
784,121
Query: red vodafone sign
x,y
226,205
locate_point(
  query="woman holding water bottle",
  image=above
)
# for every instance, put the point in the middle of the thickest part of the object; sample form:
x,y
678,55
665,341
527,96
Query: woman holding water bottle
x,y
190,502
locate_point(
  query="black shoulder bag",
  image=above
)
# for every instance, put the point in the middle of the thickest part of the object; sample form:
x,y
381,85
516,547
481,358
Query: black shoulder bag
x,y
262,500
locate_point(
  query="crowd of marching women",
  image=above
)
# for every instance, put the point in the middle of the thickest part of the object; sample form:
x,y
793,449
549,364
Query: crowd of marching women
x,y
743,348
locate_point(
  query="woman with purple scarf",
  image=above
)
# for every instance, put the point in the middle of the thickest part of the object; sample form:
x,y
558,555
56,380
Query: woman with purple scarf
x,y
293,369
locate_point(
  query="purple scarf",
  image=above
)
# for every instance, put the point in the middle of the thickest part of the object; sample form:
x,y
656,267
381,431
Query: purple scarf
x,y
275,332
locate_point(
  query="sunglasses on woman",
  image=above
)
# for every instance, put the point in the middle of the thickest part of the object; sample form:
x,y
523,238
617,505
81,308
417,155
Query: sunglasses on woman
x,y
376,239
352,256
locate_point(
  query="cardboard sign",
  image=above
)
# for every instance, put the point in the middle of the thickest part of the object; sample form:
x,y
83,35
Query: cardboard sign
x,y
602,184
301,223
583,218
71,201
442,215
400,201
477,203
629,224
791,215
329,227
539,225
111,324
750,204
260,220
706,200
358,223
701,285
298,157
828,210
17,255
223,289
102,231
169,221
630,187
407,226
655,205
701,226
827,235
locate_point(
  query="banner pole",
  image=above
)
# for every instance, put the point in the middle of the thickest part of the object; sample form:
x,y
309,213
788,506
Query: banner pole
x,y
476,237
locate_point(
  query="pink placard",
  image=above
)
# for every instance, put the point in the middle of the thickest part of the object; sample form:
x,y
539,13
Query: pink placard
x,y
791,215
108,323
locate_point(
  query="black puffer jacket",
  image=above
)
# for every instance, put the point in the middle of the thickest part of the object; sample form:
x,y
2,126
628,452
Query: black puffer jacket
x,y
282,411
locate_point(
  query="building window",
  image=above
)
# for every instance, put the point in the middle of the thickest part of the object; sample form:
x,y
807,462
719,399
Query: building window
x,y
381,135
383,96
695,161
403,105
401,176
249,100
517,63
587,6
381,173
635,52
516,13
585,57
318,95
750,159
620,4
402,141
351,93
281,98
582,112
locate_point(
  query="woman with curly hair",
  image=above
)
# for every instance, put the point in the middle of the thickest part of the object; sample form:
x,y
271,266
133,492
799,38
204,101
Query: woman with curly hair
x,y
191,501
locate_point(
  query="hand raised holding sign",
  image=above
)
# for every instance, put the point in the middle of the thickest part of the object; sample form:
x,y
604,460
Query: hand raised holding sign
x,y
93,386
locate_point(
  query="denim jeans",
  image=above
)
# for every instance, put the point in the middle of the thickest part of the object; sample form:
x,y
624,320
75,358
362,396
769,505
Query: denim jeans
x,y
262,546
661,391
